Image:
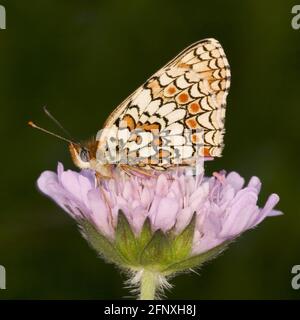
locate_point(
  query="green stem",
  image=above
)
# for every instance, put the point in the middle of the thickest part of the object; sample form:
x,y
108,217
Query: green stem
x,y
149,282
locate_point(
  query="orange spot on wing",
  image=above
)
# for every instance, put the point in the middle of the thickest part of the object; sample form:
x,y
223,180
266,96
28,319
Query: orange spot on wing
x,y
171,90
129,122
194,107
195,138
183,97
152,127
206,152
192,123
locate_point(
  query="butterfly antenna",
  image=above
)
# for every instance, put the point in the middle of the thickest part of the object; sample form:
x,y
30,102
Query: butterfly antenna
x,y
33,125
48,114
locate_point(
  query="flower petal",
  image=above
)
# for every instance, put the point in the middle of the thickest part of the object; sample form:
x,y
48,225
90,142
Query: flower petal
x,y
235,180
100,213
224,209
165,217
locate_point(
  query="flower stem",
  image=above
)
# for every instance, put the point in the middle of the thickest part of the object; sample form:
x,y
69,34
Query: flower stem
x,y
148,286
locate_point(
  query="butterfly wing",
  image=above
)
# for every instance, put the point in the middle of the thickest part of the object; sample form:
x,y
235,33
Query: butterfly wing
x,y
177,115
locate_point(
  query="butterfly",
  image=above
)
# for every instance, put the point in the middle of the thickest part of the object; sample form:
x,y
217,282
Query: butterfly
x,y
174,118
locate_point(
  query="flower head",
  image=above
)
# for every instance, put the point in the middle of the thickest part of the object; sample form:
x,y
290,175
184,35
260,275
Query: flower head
x,y
166,223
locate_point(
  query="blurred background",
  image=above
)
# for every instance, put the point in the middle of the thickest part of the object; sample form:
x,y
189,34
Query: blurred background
x,y
81,59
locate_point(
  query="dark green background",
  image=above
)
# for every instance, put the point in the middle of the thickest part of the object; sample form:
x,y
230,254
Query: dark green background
x,y
82,58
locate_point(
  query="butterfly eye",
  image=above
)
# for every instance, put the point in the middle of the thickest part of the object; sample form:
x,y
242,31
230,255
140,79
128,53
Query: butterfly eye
x,y
84,155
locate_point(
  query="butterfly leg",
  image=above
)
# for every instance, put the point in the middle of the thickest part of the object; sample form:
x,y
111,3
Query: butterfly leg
x,y
130,170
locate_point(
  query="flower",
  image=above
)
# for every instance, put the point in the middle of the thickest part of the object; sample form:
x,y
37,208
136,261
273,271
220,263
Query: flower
x,y
164,224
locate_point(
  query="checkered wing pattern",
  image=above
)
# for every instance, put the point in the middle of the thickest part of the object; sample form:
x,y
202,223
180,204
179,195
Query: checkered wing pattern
x,y
177,115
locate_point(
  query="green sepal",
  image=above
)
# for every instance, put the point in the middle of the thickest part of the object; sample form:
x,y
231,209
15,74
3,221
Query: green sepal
x,y
100,243
166,253
182,243
195,261
125,241
145,235
158,253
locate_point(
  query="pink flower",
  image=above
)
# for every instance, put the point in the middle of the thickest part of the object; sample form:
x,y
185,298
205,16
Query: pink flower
x,y
223,206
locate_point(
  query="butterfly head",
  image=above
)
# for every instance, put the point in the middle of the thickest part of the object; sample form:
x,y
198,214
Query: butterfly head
x,y
84,157
84,154
81,156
